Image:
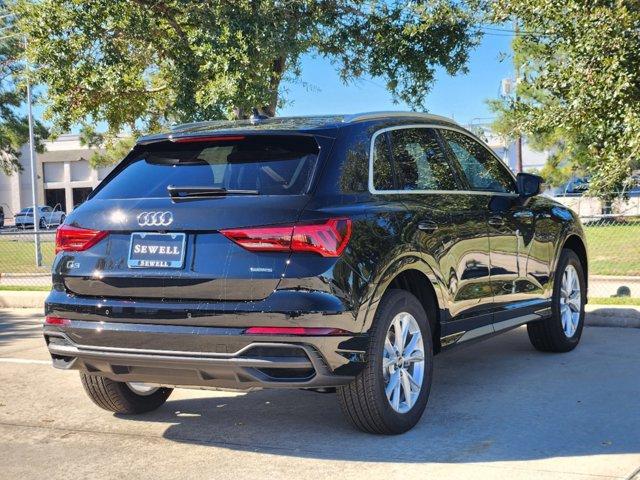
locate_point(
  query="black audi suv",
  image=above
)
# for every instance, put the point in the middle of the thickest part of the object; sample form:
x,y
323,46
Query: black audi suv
x,y
334,253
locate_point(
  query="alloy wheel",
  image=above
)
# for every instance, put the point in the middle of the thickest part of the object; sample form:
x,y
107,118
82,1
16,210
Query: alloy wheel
x,y
403,362
570,301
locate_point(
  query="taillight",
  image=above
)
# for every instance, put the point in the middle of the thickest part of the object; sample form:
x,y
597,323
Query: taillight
x,y
308,331
328,239
58,321
74,239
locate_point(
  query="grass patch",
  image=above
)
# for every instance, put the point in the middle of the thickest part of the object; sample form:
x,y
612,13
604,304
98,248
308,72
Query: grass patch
x,y
614,249
18,256
24,288
614,301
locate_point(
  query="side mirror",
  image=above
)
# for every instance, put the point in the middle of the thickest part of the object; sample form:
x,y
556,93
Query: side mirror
x,y
528,184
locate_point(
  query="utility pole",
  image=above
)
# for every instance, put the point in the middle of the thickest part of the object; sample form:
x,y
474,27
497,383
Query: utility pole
x,y
518,144
34,176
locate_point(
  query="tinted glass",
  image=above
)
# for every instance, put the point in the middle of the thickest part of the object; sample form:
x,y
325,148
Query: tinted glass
x,y
280,165
419,161
47,209
382,168
483,170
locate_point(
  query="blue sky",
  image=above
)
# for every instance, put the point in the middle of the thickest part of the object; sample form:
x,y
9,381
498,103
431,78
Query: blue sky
x,y
462,97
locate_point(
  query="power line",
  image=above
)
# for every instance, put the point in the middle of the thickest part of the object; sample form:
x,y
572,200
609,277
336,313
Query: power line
x,y
11,36
521,32
508,33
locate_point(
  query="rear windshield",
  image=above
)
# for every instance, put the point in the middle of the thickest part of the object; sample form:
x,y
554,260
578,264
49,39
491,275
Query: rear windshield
x,y
267,165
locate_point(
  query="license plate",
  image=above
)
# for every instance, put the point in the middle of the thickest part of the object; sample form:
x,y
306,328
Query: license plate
x,y
156,250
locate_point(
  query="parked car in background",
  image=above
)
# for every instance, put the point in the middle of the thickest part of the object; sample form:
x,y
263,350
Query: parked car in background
x,y
47,217
576,187
331,253
1,217
632,185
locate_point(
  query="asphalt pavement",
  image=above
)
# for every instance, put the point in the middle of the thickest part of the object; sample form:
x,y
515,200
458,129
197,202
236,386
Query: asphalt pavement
x,y
498,409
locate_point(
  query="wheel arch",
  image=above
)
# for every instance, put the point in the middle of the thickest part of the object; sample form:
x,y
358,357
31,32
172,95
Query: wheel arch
x,y
417,278
576,244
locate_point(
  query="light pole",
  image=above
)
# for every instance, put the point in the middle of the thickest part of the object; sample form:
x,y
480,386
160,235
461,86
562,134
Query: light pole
x,y
518,145
32,162
32,159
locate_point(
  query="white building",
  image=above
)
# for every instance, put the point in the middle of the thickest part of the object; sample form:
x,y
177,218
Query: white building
x,y
531,159
64,177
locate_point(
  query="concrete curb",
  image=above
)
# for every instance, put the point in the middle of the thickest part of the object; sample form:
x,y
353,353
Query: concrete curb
x,y
626,316
22,299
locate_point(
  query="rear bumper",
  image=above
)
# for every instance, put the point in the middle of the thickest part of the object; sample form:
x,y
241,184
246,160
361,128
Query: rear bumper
x,y
173,354
259,365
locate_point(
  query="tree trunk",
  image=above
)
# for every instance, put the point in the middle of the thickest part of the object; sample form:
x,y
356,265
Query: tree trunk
x,y
277,71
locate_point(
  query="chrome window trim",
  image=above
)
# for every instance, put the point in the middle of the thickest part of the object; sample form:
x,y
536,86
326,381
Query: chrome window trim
x,y
375,191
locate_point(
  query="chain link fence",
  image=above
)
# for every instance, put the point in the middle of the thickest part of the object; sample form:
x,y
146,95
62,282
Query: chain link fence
x,y
19,266
613,241
612,228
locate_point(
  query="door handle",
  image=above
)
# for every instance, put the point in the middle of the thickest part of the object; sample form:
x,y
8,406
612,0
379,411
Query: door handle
x,y
428,226
496,221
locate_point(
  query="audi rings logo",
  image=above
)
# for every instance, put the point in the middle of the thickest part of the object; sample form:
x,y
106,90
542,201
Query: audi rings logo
x,y
155,219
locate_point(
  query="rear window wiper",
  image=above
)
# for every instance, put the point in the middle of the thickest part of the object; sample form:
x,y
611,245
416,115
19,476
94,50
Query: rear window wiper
x,y
205,192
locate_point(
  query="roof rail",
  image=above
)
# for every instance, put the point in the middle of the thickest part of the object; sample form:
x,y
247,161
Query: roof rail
x,y
359,117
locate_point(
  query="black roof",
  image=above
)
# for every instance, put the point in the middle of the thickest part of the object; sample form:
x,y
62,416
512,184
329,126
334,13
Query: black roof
x,y
276,124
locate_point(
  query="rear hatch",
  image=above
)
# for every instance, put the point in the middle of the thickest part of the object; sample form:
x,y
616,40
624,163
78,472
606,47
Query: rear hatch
x,y
163,210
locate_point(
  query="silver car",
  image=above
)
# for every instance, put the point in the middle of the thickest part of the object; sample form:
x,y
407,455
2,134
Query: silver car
x,y
48,217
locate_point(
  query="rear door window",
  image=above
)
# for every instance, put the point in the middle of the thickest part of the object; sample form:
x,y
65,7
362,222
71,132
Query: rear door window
x,y
268,165
419,161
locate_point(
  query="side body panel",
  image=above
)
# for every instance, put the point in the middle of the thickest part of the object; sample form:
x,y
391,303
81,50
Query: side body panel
x,y
458,252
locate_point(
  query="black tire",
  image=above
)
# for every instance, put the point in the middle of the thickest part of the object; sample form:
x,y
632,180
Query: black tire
x,y
43,224
364,401
548,335
119,398
62,219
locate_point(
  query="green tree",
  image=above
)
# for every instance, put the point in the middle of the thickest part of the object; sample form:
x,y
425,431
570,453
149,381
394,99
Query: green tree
x,y
14,128
142,64
580,89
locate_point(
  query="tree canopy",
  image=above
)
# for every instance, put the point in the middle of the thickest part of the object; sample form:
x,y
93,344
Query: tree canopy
x,y
14,128
580,90
141,64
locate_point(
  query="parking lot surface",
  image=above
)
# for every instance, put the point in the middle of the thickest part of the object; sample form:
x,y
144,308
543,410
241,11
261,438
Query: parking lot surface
x,y
498,409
